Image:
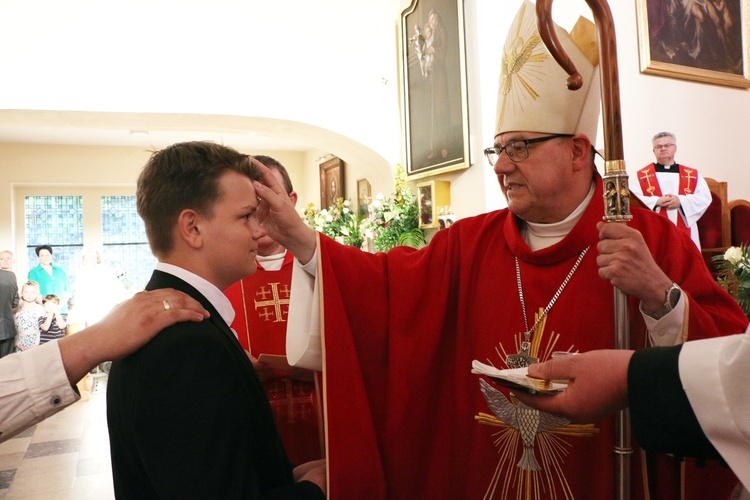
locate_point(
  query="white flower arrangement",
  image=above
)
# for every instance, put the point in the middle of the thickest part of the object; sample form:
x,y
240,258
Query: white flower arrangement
x,y
734,274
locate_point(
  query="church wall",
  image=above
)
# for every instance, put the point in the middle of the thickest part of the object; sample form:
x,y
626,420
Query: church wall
x,y
337,71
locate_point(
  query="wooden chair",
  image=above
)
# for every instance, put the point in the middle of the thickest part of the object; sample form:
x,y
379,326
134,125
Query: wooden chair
x,y
714,227
739,211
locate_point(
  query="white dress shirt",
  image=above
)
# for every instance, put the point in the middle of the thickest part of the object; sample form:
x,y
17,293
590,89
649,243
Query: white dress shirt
x,y
33,386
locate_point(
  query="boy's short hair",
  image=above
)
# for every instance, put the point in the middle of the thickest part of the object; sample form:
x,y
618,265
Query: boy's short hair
x,y
51,296
181,176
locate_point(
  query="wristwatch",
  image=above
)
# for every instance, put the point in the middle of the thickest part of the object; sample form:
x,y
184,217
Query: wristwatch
x,y
672,296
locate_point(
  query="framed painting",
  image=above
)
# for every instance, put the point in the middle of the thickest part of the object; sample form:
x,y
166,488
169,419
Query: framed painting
x,y
704,41
433,87
331,182
364,197
433,199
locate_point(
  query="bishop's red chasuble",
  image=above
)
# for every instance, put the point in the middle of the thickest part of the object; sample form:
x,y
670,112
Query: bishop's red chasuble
x,y
405,417
261,304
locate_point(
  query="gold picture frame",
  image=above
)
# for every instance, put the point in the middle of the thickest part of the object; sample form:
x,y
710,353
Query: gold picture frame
x,y
331,182
706,43
364,197
432,198
433,87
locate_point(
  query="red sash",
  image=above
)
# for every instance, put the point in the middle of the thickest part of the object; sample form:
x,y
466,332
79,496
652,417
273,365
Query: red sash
x,y
261,305
650,187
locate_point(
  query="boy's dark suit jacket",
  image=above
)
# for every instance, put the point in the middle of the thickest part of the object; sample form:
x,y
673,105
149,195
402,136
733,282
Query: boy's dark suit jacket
x,y
188,417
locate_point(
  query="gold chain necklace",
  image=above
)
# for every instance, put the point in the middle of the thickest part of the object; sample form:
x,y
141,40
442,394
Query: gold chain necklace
x,y
523,357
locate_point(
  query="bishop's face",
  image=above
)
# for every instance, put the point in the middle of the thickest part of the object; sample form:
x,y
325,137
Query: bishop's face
x,y
538,188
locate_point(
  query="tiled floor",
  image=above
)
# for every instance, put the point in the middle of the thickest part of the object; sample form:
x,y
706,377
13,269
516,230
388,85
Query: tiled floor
x,y
65,457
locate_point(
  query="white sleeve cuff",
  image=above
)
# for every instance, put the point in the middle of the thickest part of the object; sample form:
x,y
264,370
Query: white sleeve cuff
x,y
667,330
303,346
34,387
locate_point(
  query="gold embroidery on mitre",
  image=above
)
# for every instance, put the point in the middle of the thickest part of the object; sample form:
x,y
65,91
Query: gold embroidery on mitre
x,y
530,444
517,71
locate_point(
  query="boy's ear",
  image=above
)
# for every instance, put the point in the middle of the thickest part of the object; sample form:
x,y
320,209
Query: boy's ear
x,y
188,228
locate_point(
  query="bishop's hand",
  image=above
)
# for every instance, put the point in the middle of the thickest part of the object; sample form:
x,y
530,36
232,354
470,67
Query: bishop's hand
x,y
277,215
625,261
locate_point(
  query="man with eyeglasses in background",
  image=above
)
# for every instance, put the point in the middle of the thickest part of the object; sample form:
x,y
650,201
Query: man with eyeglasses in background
x,y
672,190
395,333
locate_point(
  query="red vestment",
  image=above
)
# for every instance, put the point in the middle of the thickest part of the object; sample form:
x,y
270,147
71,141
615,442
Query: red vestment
x,y
261,304
401,329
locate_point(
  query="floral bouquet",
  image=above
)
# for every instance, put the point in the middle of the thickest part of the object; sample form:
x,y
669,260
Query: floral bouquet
x,y
338,221
394,220
734,274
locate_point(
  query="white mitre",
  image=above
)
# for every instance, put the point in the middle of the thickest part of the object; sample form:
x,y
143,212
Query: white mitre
x,y
533,96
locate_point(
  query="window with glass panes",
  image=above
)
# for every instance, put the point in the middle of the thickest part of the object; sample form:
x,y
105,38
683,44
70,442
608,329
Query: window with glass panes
x,y
56,221
124,239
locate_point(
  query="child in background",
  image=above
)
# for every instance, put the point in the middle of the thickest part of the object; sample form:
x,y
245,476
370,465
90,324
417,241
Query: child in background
x,y
27,317
53,323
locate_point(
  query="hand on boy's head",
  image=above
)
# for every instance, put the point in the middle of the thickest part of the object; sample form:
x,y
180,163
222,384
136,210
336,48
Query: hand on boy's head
x,y
279,218
269,180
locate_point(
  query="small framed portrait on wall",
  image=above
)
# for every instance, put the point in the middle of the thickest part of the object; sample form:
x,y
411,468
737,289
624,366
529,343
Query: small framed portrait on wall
x,y
364,197
331,182
433,199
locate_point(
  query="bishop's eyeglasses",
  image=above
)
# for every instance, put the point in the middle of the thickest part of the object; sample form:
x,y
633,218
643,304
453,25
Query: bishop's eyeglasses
x,y
517,150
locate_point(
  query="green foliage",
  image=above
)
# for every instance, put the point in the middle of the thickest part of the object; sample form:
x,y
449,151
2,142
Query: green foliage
x,y
734,275
338,221
392,220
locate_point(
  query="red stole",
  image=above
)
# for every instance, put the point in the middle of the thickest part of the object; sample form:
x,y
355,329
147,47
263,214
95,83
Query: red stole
x,y
401,329
650,187
261,305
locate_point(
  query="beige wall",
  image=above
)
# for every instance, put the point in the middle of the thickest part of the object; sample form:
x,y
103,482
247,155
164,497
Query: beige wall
x,y
358,100
57,170
93,171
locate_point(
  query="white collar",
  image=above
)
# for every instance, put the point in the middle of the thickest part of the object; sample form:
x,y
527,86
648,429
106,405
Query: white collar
x,y
207,289
539,236
272,262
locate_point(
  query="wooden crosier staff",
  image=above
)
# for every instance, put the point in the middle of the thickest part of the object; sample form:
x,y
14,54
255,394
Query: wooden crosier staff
x,y
615,179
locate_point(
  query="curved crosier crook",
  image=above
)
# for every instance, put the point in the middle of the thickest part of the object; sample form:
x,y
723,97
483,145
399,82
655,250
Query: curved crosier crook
x,y
610,88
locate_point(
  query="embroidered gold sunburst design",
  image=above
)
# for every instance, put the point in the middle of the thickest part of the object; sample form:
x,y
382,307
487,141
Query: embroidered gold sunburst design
x,y
531,449
518,73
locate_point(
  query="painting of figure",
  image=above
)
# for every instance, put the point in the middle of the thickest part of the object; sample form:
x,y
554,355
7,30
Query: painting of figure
x,y
434,86
694,39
